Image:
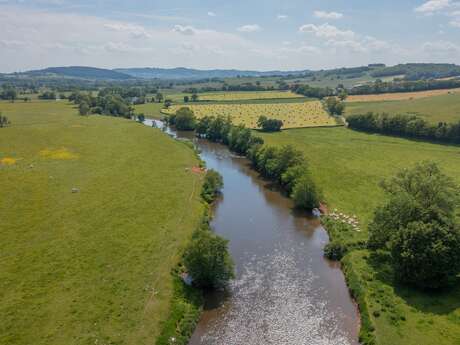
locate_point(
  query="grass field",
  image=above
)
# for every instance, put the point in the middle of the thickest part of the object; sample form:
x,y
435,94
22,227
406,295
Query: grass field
x,y
237,96
293,115
348,165
91,267
443,108
151,110
400,96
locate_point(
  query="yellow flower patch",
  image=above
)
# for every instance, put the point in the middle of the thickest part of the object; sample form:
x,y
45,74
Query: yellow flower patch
x,y
8,161
60,154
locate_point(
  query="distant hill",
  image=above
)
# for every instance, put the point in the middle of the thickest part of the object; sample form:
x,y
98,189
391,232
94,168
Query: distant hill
x,y
418,71
80,72
188,73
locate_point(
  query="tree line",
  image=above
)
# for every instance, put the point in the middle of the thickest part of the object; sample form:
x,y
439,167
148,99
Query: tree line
x,y
403,125
380,86
285,165
106,103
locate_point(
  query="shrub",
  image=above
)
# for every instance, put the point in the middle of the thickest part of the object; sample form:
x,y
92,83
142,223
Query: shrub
x,y
335,250
3,121
208,261
212,185
269,125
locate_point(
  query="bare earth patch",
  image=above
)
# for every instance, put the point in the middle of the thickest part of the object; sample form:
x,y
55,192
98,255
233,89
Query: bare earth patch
x,y
400,96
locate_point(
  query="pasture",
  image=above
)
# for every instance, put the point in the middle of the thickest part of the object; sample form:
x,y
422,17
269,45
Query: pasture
x,y
401,96
251,95
348,166
441,108
94,211
293,115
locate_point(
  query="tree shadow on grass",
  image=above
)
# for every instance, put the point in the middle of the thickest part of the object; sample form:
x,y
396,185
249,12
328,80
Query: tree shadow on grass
x,y
439,302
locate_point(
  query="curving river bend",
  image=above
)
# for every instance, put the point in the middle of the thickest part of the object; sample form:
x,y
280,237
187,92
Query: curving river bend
x,y
285,291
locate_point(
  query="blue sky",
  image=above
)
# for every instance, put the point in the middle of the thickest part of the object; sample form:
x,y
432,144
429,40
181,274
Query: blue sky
x,y
251,34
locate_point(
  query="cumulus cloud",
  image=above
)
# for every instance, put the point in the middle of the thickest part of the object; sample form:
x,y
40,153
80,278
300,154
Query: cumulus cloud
x,y
249,28
326,31
211,14
432,6
281,17
328,15
441,47
184,30
136,31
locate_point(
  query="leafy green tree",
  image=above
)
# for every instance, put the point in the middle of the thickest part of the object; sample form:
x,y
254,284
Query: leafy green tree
x,y
269,125
186,99
418,226
167,103
185,119
3,121
291,175
426,255
159,97
212,185
335,106
194,97
306,194
208,261
422,193
83,108
10,94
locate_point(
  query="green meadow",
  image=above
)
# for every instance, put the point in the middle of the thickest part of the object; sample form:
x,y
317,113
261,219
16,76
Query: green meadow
x,y
348,166
94,212
444,108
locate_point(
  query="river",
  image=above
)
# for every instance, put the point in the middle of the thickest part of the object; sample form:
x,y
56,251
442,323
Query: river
x,y
285,291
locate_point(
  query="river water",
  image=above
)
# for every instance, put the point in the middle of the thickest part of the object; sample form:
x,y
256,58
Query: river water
x,y
285,291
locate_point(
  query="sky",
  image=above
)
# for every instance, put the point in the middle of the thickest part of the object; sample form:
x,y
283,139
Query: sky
x,y
206,34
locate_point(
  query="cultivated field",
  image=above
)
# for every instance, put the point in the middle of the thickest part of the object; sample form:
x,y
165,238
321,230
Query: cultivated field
x,y
293,115
348,166
443,108
90,266
400,96
241,96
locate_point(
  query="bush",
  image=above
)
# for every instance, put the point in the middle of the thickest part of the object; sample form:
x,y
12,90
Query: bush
x,y
212,185
208,261
335,250
3,121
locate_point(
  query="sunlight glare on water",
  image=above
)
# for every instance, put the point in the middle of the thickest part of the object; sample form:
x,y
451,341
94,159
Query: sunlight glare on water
x,y
274,302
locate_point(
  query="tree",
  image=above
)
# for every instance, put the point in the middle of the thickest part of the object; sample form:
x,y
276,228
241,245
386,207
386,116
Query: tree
x,y
167,103
422,193
3,121
185,119
194,97
186,99
426,255
418,226
343,94
140,118
335,106
212,185
83,108
10,93
208,261
305,193
159,97
269,125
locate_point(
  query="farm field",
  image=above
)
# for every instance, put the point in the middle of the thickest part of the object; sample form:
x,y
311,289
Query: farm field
x,y
89,266
236,96
152,110
348,165
293,115
442,108
399,96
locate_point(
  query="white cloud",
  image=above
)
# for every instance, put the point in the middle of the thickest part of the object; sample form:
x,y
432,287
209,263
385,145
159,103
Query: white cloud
x,y
136,31
432,6
441,47
184,30
249,28
282,17
326,31
328,15
211,14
